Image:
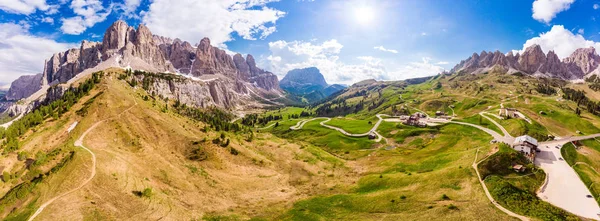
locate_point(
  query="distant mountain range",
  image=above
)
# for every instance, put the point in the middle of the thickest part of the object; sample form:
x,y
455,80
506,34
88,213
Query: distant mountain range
x,y
580,64
214,78
309,84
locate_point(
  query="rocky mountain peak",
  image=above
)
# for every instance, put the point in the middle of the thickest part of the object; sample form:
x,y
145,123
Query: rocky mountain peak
x,y
143,35
304,76
533,61
250,60
116,36
585,58
204,45
125,46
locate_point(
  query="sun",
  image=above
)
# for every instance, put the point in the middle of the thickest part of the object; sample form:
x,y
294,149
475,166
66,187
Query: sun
x,y
364,14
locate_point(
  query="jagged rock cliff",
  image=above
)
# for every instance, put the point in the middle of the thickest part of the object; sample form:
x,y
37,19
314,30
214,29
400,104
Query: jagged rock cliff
x,y
533,61
24,87
126,47
223,92
139,49
208,60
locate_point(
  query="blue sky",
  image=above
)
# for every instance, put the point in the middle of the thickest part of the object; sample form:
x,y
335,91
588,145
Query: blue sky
x,y
349,40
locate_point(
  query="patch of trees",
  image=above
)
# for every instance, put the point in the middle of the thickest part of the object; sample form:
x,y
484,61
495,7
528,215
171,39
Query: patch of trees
x,y
501,162
593,82
302,114
376,104
218,119
581,100
221,141
224,142
546,89
254,119
339,107
197,154
48,109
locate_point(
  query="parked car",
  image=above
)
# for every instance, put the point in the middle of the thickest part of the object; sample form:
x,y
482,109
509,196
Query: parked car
x,y
589,196
560,158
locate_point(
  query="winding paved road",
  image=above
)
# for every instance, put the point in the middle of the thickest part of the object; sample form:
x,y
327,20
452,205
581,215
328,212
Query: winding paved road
x,y
373,130
504,131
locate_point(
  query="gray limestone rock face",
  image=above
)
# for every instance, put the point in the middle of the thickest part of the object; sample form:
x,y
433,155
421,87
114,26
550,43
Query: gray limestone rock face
x,y
24,87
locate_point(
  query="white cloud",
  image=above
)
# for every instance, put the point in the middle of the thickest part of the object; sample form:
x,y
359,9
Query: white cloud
x,y
89,12
442,63
416,70
23,6
580,31
129,8
192,20
48,20
546,10
596,6
423,33
286,56
560,40
22,53
381,48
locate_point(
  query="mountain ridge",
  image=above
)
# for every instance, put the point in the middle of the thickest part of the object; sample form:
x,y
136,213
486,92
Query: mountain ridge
x,y
231,82
582,63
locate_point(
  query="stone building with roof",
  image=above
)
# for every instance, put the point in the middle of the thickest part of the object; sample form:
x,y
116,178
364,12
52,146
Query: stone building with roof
x,y
526,145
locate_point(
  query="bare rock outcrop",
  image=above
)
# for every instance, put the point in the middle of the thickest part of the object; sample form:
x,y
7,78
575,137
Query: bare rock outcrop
x,y
137,48
533,61
23,87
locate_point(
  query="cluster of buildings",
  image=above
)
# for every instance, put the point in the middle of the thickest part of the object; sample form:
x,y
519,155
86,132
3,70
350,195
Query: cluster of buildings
x,y
417,119
509,113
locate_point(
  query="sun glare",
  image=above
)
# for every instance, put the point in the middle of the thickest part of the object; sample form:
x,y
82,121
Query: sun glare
x,y
364,14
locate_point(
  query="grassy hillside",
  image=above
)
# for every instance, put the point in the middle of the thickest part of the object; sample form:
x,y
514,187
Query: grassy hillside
x,y
153,163
433,181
